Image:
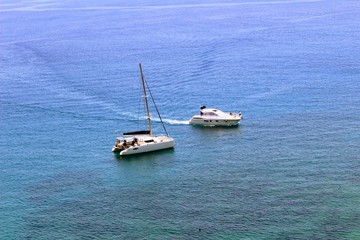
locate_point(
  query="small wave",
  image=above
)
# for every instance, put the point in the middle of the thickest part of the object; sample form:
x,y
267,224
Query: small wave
x,y
53,7
319,17
270,94
23,41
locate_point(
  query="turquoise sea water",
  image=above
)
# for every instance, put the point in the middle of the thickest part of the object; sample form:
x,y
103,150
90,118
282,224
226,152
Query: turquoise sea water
x,y
69,80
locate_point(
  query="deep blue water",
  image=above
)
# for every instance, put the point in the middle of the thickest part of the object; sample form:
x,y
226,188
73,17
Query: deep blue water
x,y
69,80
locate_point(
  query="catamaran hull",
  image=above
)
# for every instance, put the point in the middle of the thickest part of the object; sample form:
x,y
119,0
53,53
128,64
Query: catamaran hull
x,y
116,149
148,147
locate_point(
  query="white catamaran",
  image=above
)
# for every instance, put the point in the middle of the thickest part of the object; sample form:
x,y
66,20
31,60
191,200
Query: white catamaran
x,y
143,141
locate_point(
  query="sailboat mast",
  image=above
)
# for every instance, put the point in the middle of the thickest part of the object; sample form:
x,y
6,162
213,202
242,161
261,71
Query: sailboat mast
x,y
146,100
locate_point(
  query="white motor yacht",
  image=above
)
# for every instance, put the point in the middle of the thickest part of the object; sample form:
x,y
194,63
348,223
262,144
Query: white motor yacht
x,y
143,141
215,117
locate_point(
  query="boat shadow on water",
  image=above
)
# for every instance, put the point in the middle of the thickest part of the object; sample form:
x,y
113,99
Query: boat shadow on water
x,y
145,156
215,127
216,131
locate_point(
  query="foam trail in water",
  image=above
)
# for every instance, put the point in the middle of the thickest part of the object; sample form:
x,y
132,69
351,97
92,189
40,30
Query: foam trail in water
x,y
176,122
171,121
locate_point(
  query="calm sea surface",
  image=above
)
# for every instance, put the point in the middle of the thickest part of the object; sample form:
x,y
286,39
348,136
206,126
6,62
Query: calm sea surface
x,y
69,80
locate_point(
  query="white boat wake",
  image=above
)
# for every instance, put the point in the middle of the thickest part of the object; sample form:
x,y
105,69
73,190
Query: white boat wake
x,y
172,121
134,117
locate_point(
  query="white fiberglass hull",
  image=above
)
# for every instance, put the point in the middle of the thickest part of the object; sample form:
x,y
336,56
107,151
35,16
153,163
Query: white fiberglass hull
x,y
115,149
196,120
159,143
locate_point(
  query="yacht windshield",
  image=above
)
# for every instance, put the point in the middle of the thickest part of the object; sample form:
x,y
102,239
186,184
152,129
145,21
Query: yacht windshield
x,y
210,114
